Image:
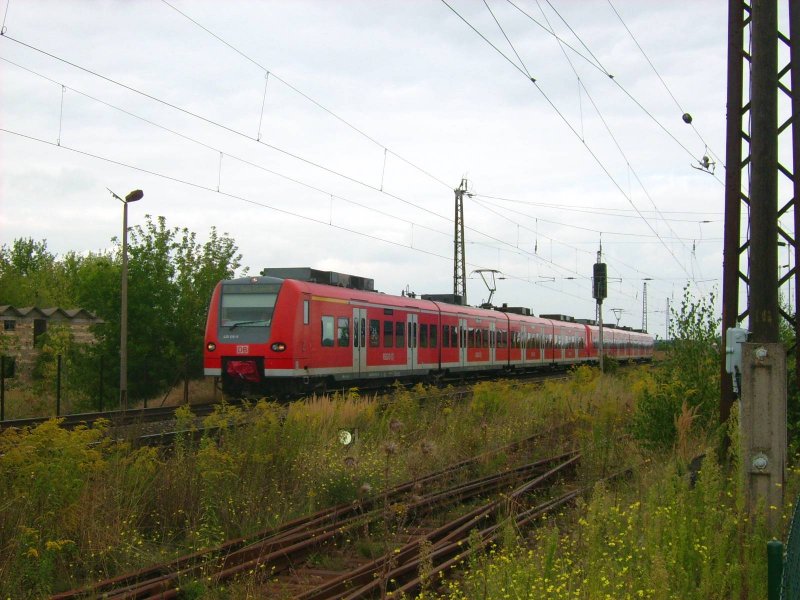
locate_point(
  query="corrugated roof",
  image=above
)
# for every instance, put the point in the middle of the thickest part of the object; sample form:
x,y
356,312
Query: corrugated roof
x,y
34,312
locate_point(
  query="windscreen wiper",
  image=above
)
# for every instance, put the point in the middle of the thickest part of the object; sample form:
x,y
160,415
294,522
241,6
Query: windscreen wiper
x,y
235,325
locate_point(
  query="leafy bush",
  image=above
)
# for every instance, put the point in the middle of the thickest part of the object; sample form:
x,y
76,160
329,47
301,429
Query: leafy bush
x,y
689,374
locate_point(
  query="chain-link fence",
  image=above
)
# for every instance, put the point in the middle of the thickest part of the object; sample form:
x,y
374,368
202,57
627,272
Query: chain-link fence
x,y
790,590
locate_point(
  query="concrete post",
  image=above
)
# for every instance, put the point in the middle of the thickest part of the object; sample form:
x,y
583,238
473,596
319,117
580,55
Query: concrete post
x,y
762,421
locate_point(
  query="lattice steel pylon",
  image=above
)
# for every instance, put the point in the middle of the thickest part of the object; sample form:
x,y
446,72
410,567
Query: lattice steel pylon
x,y
459,258
771,187
644,307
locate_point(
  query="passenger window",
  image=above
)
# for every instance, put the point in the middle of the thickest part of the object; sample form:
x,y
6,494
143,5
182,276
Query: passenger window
x,y
454,336
445,336
344,331
423,335
388,334
433,337
374,333
327,331
400,335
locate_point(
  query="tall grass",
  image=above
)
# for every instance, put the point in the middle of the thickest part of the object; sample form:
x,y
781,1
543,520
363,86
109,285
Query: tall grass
x,y
78,506
668,531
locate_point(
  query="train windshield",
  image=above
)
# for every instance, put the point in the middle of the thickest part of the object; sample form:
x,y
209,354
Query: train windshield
x,y
248,304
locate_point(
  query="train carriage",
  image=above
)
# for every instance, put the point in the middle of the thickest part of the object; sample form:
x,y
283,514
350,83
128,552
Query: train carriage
x,y
300,330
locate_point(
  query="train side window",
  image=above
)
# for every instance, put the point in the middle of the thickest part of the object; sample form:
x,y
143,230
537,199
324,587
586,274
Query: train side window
x,y
423,335
388,334
434,329
344,331
445,336
305,312
374,333
399,335
327,331
454,336
486,340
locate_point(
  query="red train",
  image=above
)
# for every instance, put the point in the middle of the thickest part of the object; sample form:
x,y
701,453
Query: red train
x,y
295,331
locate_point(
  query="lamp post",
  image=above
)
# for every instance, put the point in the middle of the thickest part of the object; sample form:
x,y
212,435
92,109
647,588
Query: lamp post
x,y
123,317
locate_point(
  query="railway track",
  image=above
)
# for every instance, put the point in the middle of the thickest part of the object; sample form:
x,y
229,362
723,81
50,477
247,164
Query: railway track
x,y
283,554
118,418
138,416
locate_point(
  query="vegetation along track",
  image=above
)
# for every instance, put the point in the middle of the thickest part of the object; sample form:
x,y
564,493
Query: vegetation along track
x,y
282,553
165,415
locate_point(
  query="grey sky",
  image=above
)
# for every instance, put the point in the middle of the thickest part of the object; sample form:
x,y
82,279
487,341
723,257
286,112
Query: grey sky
x,y
421,85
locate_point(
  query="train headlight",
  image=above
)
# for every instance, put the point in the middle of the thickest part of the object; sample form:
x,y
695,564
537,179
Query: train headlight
x,y
211,346
278,347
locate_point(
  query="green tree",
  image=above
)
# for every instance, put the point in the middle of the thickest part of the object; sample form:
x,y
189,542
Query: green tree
x,y
198,269
170,280
27,273
689,374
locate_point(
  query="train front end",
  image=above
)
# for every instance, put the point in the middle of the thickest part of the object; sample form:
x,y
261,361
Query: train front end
x,y
240,334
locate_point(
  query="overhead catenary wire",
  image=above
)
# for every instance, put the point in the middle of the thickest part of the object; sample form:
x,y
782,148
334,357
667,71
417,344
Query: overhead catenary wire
x,y
615,213
563,243
585,228
261,204
219,125
614,79
661,79
221,153
306,96
226,160
610,133
593,210
571,128
255,165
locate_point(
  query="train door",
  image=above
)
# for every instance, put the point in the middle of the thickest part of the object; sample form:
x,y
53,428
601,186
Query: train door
x,y
541,337
523,346
492,342
360,341
305,337
462,341
412,359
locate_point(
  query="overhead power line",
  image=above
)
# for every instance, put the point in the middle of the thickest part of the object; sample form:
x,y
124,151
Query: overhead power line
x,y
613,78
306,96
572,129
267,206
260,167
661,79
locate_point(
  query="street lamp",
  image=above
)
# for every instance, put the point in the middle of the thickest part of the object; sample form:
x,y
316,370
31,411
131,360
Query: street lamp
x,y
123,317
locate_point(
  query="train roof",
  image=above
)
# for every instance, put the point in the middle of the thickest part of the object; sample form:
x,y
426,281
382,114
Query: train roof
x,y
446,302
353,282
